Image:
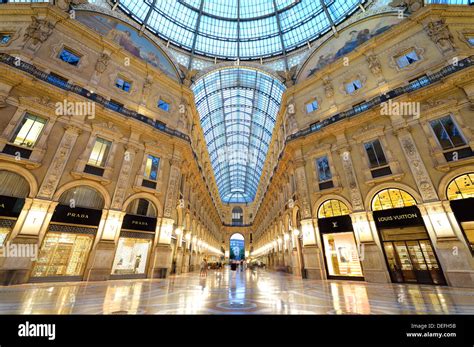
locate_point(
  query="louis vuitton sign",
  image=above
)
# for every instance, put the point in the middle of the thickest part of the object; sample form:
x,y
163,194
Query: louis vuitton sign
x,y
335,224
398,217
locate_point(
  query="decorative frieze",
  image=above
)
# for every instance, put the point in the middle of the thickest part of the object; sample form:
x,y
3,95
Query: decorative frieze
x,y
417,167
56,169
123,181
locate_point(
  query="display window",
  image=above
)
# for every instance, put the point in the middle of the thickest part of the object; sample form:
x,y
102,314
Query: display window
x,y
408,251
63,254
461,193
342,257
68,242
131,256
339,245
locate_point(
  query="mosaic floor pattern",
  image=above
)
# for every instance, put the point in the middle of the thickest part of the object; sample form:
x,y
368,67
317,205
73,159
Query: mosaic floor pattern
x,y
229,292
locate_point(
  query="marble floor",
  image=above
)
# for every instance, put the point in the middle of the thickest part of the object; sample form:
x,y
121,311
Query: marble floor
x,y
229,292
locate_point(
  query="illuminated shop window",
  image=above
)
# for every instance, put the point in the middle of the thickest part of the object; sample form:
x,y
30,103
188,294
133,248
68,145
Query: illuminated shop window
x,y
29,131
151,167
63,254
342,257
165,106
100,152
353,86
462,187
406,59
392,198
312,106
123,84
5,38
131,256
333,208
68,56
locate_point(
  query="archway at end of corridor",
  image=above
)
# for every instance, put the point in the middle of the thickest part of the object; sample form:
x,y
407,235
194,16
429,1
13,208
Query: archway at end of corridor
x,y
237,247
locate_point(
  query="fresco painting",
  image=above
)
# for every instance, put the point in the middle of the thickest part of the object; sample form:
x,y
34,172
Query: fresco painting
x,y
129,39
349,39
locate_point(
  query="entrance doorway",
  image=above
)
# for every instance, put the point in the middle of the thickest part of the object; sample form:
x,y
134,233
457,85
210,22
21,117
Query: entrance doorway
x,y
237,247
406,244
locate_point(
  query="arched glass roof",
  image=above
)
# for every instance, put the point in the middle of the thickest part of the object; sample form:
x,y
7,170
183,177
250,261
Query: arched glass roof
x,y
244,29
238,108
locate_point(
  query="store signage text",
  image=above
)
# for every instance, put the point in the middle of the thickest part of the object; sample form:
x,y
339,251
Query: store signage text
x,y
77,215
398,217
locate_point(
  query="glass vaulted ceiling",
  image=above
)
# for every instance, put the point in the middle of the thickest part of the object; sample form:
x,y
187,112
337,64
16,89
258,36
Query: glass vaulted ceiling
x,y
238,109
244,29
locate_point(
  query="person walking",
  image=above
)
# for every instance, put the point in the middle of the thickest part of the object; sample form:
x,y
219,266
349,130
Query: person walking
x,y
203,268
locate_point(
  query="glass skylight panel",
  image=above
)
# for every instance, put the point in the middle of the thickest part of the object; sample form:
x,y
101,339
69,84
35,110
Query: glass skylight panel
x,y
238,126
217,33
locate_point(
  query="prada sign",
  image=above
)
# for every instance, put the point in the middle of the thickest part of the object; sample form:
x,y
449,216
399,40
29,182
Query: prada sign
x,y
10,207
76,215
463,209
134,222
335,224
398,217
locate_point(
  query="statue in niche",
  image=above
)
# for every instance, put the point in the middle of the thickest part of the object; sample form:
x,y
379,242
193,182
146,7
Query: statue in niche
x,y
374,64
146,89
328,88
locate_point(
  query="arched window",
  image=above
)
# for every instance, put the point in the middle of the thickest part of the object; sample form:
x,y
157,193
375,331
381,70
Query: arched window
x,y
462,187
14,185
332,208
237,247
392,198
82,196
237,216
142,207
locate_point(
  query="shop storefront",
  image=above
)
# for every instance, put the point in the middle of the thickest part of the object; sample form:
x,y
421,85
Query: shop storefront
x,y
134,247
13,191
461,195
10,209
339,245
67,244
405,241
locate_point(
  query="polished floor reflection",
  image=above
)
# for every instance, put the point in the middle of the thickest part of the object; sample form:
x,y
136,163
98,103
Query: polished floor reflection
x,y
229,292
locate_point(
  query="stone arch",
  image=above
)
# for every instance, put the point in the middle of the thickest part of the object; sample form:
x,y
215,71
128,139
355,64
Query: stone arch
x,y
150,197
447,178
27,175
325,198
92,184
396,185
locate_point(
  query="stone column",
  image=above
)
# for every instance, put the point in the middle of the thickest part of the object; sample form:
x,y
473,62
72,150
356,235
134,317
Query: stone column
x,y
369,248
161,258
372,257
312,252
454,256
104,251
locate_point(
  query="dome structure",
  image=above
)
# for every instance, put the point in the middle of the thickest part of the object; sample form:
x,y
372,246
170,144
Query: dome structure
x,y
239,29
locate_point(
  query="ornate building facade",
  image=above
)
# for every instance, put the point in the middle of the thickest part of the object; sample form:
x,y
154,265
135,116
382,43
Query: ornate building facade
x,y
109,167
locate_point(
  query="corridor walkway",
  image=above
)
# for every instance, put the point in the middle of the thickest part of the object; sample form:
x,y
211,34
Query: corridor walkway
x,y
227,292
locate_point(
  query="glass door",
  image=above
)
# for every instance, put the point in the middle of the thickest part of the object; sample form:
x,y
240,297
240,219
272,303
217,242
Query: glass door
x,y
431,262
405,262
419,264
